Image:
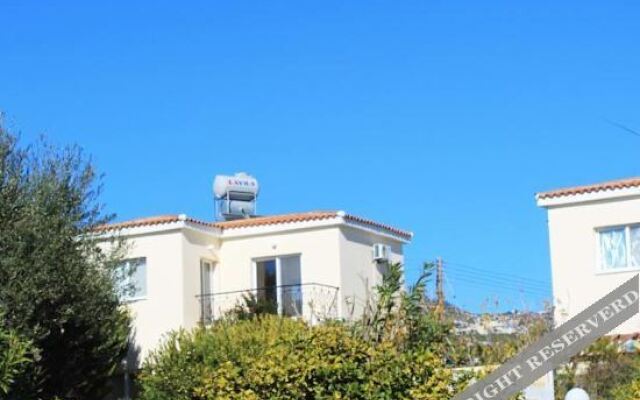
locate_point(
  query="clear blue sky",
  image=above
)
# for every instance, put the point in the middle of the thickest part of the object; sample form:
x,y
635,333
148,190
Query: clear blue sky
x,y
442,117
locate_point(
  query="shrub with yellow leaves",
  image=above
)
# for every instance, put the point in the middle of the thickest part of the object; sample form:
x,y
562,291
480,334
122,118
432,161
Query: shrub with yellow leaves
x,y
279,358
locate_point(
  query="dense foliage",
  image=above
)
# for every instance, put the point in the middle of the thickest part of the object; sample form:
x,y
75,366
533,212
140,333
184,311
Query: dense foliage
x,y
404,317
14,358
603,370
56,285
630,391
276,358
395,351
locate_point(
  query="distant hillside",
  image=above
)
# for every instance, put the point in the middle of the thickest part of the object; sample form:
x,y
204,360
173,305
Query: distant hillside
x,y
510,322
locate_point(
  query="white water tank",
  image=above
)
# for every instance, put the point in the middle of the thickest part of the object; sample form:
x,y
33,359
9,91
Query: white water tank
x,y
239,185
235,196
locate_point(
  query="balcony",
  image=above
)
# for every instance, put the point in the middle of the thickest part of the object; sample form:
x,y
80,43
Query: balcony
x,y
312,302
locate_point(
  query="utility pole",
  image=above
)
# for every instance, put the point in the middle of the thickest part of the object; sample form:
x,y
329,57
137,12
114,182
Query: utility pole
x,y
439,288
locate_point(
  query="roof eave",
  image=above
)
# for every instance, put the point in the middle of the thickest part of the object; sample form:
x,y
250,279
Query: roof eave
x,y
261,230
404,237
548,201
157,228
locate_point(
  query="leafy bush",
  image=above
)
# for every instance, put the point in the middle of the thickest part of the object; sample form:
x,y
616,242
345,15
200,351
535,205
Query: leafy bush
x,y
404,317
14,358
394,351
603,370
630,391
276,358
252,306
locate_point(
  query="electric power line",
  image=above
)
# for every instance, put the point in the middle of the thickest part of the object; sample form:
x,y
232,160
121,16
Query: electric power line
x,y
505,274
482,282
623,127
496,277
489,286
508,299
496,280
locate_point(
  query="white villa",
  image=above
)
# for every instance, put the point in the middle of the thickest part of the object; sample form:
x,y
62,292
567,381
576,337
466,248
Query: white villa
x,y
594,237
312,265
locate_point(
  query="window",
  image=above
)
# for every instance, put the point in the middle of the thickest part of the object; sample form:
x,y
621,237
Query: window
x,y
267,281
206,277
278,284
131,277
634,245
206,292
619,248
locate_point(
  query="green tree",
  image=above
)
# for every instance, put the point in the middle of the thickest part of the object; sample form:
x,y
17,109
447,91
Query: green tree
x,y
56,285
14,358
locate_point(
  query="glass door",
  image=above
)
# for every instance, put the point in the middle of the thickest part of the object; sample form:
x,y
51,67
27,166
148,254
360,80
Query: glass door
x,y
267,286
291,293
278,285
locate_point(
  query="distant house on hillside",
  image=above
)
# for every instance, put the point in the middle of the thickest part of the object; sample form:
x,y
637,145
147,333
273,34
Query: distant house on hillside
x,y
594,238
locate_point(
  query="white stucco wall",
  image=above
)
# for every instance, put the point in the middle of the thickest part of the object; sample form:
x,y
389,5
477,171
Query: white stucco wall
x,y
173,281
574,256
197,246
318,250
161,310
359,274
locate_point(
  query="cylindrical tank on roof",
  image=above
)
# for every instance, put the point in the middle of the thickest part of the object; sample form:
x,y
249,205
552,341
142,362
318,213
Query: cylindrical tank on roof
x,y
241,186
239,208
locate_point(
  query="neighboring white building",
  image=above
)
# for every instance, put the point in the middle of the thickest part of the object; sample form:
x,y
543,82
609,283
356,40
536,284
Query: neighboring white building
x,y
313,265
594,237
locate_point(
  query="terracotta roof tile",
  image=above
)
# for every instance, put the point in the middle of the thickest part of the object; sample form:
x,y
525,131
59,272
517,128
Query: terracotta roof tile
x,y
405,234
309,216
256,221
277,219
598,187
148,221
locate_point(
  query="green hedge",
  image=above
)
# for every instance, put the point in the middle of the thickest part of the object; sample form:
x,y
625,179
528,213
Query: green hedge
x,y
276,358
628,392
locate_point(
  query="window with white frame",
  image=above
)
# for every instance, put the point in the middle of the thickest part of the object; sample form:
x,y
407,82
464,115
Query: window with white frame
x,y
206,290
619,248
279,284
131,278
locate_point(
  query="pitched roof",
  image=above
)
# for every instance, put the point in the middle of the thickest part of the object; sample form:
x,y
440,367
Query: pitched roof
x,y
257,221
149,221
405,234
276,219
598,187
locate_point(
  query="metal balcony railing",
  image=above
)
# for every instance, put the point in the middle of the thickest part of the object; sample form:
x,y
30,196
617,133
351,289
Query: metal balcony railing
x,y
312,302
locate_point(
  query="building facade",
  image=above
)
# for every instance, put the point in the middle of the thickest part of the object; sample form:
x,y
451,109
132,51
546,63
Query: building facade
x,y
594,238
317,265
